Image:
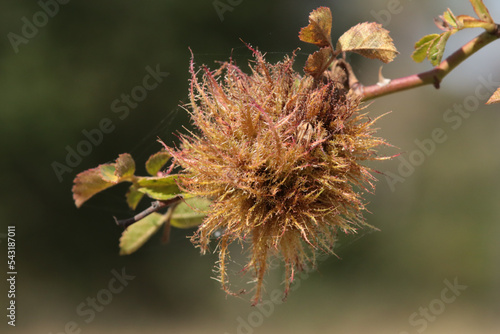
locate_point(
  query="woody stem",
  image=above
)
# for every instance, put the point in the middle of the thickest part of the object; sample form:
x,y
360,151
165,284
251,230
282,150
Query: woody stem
x,y
434,76
155,206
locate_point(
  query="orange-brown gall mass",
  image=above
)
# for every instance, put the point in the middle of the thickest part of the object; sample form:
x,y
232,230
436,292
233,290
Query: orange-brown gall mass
x,y
280,157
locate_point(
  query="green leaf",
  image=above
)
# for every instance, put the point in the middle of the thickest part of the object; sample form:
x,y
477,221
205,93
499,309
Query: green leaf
x,y
422,47
450,18
370,40
185,217
87,184
138,233
495,98
318,31
160,188
482,11
156,162
449,22
125,166
436,50
133,196
431,47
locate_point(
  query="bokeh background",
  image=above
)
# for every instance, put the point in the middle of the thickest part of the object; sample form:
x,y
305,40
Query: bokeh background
x,y
441,223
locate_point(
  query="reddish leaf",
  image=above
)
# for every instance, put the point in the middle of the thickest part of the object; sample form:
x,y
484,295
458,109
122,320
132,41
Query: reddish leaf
x,y
462,18
92,181
319,29
495,98
87,184
317,63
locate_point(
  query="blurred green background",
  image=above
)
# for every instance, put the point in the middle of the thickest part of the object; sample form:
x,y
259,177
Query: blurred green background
x,y
441,223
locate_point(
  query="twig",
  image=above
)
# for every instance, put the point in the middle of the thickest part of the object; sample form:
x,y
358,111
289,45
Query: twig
x,y
434,76
155,206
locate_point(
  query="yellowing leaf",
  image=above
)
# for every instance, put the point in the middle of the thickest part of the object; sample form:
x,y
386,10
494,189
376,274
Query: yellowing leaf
x,y
369,40
125,166
495,98
92,181
317,62
133,196
185,217
481,11
160,188
467,21
462,18
448,22
138,233
108,172
318,31
156,162
87,184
